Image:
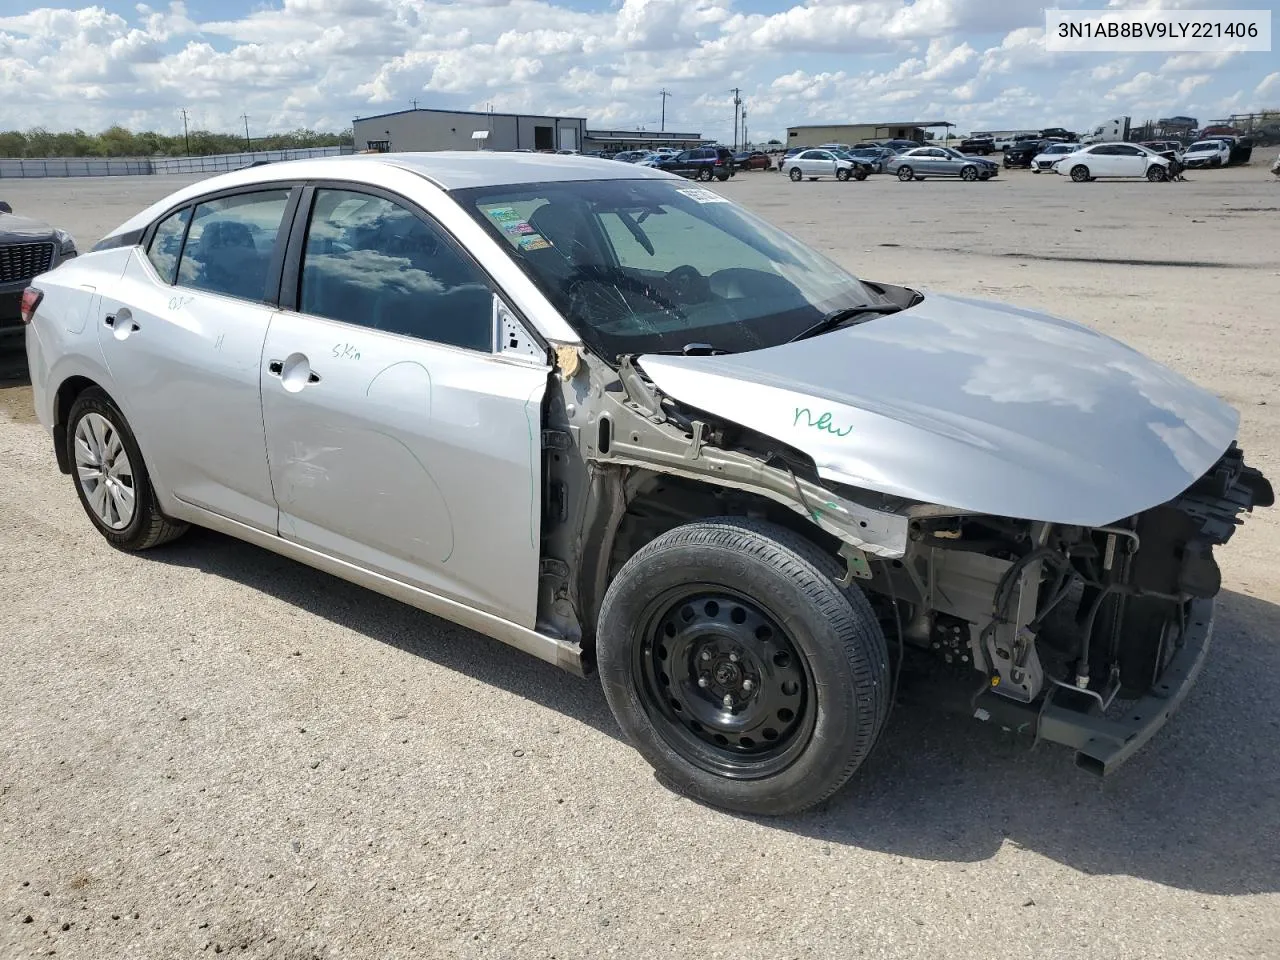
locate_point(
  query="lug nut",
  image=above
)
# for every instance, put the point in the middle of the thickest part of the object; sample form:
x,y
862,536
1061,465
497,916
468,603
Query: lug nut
x,y
706,654
728,701
733,657
703,681
747,685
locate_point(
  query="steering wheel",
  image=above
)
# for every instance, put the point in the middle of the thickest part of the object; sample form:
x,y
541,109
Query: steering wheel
x,y
688,284
610,277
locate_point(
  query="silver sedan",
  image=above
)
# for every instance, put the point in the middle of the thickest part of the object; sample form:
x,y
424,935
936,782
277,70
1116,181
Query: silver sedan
x,y
615,420
922,162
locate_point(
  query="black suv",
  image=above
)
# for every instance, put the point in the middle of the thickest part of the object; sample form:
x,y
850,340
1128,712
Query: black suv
x,y
1020,153
701,163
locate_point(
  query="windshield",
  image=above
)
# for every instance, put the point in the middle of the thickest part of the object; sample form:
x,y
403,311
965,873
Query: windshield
x,y
1201,147
640,266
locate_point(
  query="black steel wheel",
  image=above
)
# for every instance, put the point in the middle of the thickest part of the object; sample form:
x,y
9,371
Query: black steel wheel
x,y
725,679
739,668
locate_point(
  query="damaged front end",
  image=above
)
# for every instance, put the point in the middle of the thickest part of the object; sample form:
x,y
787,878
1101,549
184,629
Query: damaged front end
x,y
1043,627
1068,623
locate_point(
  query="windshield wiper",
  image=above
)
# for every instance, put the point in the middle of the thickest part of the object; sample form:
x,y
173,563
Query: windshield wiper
x,y
837,317
690,350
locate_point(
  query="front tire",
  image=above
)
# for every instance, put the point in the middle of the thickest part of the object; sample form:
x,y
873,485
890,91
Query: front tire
x,y
969,173
110,477
1080,173
1156,173
842,174
905,174
860,174
796,175
740,669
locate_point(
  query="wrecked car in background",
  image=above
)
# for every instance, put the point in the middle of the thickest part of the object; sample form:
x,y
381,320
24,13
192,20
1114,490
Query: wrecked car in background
x,y
621,423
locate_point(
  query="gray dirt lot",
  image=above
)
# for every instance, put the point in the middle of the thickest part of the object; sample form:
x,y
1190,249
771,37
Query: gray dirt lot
x,y
208,747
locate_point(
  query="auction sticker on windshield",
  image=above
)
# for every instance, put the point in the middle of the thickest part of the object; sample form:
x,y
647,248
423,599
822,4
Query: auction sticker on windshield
x,y
703,196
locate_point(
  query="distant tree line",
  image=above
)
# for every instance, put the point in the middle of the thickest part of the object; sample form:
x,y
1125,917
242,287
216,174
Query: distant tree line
x,y
118,142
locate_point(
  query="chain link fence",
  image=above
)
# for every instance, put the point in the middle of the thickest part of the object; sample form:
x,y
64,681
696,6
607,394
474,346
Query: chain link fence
x,y
125,167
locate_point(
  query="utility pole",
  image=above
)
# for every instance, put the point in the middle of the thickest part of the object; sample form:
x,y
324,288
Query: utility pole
x,y
664,94
746,142
737,102
186,137
248,144
415,103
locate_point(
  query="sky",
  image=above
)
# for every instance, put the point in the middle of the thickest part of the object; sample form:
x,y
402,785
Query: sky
x,y
980,64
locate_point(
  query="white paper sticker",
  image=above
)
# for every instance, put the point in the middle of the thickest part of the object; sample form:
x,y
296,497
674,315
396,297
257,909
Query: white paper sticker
x,y
703,196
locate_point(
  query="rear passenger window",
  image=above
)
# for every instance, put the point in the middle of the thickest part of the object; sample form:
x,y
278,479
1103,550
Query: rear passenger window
x,y
371,262
230,243
166,244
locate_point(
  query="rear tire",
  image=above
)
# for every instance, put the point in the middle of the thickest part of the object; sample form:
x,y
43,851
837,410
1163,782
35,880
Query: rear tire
x,y
796,175
1080,173
740,669
110,477
904,174
705,174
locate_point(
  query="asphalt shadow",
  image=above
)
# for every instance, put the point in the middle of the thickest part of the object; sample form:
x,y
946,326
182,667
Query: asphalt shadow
x,y
1197,808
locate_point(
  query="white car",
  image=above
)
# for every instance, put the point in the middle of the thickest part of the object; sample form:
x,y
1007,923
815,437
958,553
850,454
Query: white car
x,y
1112,160
1207,153
822,163
1046,159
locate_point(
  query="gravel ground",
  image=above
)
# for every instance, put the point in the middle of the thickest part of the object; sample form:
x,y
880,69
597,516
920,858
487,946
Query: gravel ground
x,y
211,749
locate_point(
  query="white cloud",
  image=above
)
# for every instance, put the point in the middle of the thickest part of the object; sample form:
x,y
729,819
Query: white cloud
x,y
320,62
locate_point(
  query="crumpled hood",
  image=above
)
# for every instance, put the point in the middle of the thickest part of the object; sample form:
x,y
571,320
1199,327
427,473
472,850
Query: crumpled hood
x,y
15,228
972,405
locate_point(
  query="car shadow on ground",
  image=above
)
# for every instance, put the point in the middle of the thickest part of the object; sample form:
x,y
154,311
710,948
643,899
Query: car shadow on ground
x,y
1197,808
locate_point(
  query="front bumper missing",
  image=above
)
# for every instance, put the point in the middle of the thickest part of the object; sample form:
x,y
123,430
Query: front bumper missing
x,y
1103,743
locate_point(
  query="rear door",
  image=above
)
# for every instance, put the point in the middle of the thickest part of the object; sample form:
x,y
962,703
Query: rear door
x,y
400,437
182,337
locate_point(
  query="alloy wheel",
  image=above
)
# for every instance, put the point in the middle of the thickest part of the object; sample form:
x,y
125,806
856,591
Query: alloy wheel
x,y
104,472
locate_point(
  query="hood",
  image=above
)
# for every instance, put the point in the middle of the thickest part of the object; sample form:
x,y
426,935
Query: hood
x,y
972,405
16,228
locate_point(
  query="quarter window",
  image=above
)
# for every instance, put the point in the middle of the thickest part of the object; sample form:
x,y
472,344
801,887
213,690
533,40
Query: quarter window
x,y
166,244
371,262
230,243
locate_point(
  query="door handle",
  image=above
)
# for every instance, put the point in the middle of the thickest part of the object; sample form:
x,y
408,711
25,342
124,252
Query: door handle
x,y
276,369
127,323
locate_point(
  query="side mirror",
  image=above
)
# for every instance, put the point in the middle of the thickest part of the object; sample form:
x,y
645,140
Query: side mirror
x,y
5,208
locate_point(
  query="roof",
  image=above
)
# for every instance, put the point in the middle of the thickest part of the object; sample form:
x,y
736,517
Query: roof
x,y
447,169
467,113
641,138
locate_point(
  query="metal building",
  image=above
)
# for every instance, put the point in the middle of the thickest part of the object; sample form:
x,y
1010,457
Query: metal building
x,y
614,140
424,130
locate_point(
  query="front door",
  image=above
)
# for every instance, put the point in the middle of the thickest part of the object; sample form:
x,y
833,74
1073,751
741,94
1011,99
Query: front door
x,y
1129,161
397,438
184,339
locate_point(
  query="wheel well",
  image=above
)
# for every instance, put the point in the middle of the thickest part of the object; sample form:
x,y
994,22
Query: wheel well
x,y
657,503
63,400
